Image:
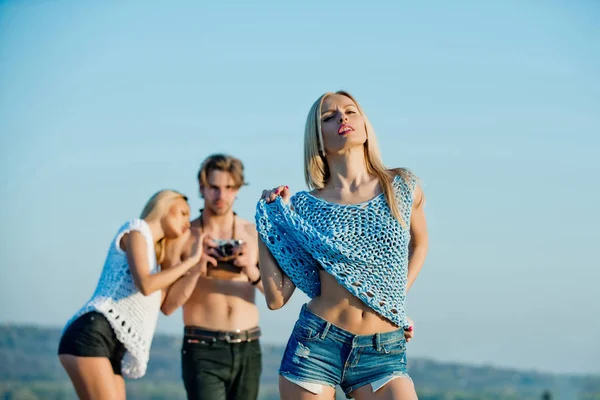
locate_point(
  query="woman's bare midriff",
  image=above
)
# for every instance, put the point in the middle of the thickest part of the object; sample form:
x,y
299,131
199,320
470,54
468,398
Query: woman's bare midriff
x,y
338,306
222,304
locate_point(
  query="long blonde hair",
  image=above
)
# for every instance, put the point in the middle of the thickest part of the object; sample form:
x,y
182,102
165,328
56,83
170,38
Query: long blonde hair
x,y
155,208
316,169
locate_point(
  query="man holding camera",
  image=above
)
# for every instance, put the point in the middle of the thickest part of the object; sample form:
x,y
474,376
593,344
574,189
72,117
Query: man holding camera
x,y
221,356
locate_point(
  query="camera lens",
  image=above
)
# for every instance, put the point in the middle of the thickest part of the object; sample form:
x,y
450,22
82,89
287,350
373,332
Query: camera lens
x,y
228,250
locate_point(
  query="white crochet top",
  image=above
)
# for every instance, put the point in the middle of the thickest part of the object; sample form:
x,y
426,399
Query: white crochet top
x,y
132,315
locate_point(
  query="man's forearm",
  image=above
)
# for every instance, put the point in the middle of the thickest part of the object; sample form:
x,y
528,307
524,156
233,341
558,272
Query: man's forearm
x,y
253,274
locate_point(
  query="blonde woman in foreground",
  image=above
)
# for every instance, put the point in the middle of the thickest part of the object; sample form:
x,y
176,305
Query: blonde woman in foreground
x,y
110,336
355,245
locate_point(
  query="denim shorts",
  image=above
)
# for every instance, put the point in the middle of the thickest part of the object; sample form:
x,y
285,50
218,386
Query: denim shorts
x,y
321,353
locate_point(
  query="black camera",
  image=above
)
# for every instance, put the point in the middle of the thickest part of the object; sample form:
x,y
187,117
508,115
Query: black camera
x,y
228,249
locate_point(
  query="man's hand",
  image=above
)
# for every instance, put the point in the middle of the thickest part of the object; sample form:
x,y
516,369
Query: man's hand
x,y
247,259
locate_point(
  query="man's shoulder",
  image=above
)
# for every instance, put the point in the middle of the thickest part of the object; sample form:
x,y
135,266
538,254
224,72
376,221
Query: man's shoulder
x,y
175,249
184,241
196,223
247,226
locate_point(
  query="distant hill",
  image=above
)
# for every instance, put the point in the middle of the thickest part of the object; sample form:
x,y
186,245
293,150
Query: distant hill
x,y
30,370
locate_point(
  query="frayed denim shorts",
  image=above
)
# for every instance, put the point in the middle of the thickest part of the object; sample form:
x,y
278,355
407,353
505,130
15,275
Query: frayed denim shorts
x,y
320,353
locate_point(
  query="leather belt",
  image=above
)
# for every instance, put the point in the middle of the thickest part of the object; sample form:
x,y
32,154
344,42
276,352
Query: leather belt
x,y
229,337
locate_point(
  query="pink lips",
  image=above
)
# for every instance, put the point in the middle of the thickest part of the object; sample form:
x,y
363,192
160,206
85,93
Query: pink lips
x,y
344,129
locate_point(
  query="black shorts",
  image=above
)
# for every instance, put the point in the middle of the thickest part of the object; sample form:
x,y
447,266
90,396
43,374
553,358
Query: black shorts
x,y
92,336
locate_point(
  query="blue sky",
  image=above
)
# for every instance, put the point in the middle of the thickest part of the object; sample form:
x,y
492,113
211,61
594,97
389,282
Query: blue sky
x,y
493,104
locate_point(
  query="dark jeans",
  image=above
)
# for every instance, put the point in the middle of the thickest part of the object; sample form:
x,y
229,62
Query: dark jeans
x,y
219,370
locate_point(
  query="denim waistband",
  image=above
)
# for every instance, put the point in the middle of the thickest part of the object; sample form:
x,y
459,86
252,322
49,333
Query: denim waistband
x,y
326,329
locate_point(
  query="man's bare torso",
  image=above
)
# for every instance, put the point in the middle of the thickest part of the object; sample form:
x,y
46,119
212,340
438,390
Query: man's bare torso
x,y
222,300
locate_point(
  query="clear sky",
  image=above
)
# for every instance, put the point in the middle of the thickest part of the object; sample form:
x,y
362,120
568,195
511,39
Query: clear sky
x,y
495,105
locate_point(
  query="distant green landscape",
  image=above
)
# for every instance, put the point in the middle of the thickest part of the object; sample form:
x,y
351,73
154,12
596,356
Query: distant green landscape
x,y
30,370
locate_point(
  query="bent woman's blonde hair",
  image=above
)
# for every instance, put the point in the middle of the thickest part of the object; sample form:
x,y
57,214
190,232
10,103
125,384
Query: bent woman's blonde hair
x,y
155,208
316,169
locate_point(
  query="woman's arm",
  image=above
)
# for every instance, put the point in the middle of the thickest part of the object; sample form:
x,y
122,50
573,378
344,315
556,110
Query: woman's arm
x,y
135,246
180,291
419,239
177,294
278,288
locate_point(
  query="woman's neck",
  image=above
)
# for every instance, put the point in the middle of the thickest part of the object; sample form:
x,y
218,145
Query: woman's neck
x,y
347,169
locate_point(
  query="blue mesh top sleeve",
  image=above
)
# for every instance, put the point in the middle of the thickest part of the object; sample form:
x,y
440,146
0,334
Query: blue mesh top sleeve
x,y
293,258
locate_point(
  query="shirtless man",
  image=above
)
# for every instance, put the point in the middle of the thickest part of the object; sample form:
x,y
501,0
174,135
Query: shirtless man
x,y
221,356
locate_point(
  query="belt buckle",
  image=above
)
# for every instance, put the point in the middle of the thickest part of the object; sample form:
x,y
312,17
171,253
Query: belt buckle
x,y
229,339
